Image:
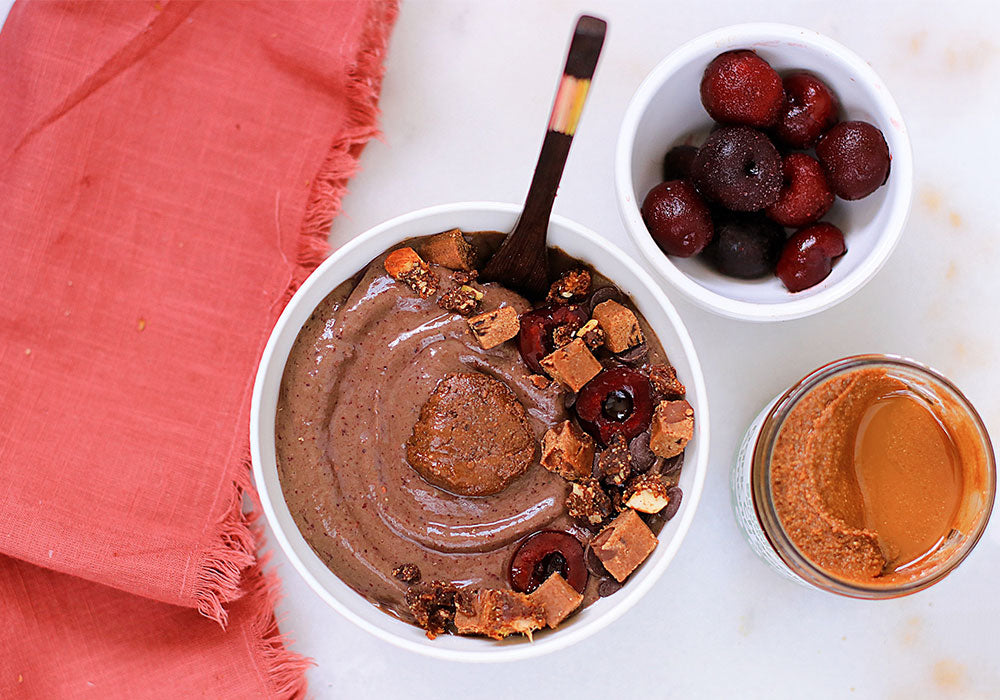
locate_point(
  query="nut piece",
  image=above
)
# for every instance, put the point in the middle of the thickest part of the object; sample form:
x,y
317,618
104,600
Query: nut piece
x,y
462,300
449,249
494,327
497,614
571,285
401,261
614,464
588,503
557,598
673,427
572,365
624,544
621,327
665,381
404,265
460,277
407,573
647,493
540,381
568,451
592,334
433,606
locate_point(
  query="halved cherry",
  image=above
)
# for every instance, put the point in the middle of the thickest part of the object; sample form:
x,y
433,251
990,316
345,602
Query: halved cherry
x,y
543,554
534,341
617,400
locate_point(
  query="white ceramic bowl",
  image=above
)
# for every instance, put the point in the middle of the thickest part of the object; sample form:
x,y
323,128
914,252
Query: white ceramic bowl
x,y
344,263
666,108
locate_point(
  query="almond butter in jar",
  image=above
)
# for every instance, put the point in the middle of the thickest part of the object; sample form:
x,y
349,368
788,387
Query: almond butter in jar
x,y
873,477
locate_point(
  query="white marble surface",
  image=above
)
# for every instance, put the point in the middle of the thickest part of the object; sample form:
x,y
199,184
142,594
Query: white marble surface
x,y
468,90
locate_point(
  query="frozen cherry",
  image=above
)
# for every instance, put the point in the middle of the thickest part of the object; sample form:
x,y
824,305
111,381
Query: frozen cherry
x,y
855,157
618,400
534,340
805,196
544,553
677,162
745,245
740,87
808,256
738,167
810,109
677,218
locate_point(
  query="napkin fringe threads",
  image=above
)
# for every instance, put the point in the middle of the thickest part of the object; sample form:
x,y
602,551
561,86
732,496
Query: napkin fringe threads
x,y
330,183
231,569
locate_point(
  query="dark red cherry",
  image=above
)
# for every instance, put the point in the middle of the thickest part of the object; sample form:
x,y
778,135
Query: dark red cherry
x,y
810,109
808,256
534,341
856,159
544,553
740,87
617,400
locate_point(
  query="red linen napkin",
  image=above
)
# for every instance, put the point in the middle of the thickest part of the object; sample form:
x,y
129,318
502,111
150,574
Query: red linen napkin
x,y
168,174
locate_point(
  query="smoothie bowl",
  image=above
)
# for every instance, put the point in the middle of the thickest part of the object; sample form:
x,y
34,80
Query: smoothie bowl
x,y
435,460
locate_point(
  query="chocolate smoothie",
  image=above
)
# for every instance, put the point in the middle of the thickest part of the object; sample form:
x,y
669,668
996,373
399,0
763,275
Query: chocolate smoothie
x,y
401,440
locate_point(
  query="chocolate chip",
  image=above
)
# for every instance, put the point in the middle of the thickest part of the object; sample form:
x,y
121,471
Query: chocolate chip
x,y
642,457
608,587
594,565
675,494
673,464
635,356
569,400
604,293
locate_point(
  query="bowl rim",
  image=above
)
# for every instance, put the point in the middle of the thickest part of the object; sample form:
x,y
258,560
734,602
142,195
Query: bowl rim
x,y
629,595
759,33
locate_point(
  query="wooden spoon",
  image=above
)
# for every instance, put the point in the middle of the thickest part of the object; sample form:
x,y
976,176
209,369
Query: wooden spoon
x,y
522,261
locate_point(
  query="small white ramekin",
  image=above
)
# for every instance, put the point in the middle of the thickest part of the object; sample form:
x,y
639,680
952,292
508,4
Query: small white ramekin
x,y
667,108
578,242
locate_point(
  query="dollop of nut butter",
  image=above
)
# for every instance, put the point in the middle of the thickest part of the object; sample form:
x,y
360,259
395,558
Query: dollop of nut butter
x,y
473,437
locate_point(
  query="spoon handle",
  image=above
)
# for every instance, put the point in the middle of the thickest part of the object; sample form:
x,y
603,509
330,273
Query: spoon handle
x,y
522,260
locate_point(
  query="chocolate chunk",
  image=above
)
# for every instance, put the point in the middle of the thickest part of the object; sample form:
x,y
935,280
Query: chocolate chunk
x,y
449,249
624,544
495,327
557,598
568,451
620,324
672,428
572,365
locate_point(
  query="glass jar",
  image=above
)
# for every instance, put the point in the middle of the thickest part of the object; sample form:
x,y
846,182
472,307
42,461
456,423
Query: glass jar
x,y
754,506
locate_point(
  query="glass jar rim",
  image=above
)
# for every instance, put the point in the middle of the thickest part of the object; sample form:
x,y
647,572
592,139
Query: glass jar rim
x,y
763,503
